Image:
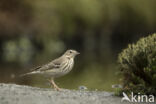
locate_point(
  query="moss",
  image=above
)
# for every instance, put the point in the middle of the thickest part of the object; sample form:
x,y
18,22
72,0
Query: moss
x,y
138,66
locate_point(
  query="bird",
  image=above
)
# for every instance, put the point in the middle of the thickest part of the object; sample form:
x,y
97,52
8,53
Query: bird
x,y
57,67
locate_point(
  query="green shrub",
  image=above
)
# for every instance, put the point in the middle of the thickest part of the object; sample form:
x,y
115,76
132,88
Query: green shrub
x,y
138,66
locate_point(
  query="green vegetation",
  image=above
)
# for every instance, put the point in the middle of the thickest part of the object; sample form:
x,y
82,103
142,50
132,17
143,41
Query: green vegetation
x,y
138,66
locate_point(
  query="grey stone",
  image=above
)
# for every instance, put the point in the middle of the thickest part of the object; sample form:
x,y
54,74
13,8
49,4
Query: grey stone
x,y
19,94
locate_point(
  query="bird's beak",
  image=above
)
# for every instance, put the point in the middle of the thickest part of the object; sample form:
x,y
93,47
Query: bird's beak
x,y
77,53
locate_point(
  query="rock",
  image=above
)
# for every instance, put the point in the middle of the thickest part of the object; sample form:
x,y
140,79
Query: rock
x,y
82,88
18,94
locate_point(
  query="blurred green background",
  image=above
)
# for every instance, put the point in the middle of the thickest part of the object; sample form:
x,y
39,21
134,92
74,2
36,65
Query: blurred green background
x,y
35,32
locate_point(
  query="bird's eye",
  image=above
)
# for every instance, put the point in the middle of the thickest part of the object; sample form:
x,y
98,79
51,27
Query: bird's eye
x,y
70,51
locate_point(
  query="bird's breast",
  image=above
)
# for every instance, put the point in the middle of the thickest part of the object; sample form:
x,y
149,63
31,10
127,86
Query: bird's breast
x,y
65,68
68,66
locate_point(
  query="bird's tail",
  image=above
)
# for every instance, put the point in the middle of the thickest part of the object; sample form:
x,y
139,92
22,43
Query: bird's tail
x,y
30,73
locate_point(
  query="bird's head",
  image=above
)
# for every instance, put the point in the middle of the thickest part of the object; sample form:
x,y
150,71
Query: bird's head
x,y
71,53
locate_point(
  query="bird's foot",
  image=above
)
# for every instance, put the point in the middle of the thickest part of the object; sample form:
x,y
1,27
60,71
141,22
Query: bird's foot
x,y
57,88
54,85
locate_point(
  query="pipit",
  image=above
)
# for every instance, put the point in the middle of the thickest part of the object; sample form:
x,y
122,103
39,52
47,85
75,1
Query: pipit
x,y
56,68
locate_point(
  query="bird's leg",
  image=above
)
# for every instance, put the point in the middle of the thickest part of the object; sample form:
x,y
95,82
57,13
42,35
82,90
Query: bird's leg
x,y
54,85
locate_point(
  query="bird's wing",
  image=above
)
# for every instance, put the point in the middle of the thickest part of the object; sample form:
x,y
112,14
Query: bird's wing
x,y
55,64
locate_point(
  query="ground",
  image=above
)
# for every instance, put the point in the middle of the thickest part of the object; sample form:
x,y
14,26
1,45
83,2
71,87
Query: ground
x,y
19,94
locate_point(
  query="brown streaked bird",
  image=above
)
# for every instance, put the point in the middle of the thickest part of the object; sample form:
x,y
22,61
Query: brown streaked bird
x,y
56,68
